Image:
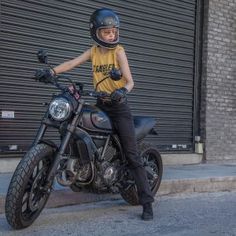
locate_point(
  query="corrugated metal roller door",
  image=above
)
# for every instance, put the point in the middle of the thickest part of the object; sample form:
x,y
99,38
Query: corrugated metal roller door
x,y
159,41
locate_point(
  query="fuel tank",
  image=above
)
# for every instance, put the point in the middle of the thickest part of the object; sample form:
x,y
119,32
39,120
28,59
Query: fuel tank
x,y
95,120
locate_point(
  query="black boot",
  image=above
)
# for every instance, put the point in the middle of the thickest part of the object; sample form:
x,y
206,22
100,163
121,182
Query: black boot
x,y
147,212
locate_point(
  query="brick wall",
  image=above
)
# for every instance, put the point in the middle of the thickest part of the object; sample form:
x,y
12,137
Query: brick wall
x,y
218,103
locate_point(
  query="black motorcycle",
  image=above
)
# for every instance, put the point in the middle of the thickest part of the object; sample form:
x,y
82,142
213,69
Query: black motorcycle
x,y
88,158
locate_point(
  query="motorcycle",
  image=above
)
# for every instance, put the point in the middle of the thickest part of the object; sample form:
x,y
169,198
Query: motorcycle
x,y
89,156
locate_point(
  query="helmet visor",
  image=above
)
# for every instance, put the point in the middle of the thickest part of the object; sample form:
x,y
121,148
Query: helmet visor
x,y
108,35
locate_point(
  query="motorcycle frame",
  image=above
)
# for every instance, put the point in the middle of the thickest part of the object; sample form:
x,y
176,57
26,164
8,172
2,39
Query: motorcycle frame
x,y
72,130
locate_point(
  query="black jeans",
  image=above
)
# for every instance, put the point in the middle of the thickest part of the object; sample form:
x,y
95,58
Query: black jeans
x,y
122,120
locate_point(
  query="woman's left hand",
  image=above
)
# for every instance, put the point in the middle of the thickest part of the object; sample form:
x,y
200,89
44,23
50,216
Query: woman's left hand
x,y
119,95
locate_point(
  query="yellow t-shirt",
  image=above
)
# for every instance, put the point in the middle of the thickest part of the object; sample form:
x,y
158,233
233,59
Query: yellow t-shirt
x,y
102,64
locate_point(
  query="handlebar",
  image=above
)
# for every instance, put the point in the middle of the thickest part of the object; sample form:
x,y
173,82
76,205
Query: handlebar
x,y
114,74
72,88
95,94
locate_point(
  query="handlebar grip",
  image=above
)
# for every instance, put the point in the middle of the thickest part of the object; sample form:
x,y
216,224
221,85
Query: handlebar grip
x,y
95,94
85,93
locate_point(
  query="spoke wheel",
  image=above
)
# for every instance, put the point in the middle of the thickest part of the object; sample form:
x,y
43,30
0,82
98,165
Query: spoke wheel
x,y
27,196
154,167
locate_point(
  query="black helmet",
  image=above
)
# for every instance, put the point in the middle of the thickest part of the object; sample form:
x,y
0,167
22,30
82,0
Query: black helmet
x,y
104,18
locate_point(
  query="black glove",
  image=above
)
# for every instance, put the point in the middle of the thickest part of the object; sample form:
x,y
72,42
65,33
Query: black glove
x,y
115,74
119,95
44,75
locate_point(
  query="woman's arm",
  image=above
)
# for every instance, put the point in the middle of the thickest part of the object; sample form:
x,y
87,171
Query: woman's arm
x,y
125,70
68,65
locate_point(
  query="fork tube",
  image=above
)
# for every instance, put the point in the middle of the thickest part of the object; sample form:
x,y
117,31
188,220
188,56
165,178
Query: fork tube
x,y
70,130
42,129
40,134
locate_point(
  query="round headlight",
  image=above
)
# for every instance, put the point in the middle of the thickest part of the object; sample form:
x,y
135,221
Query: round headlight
x,y
60,109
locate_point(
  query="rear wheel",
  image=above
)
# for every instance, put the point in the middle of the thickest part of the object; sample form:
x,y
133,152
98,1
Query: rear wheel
x,y
26,196
154,167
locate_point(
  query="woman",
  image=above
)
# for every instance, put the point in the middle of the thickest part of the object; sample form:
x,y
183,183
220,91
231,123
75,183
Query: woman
x,y
106,55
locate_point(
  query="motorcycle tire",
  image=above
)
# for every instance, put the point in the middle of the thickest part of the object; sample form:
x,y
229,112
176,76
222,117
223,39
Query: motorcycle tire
x,y
151,158
25,199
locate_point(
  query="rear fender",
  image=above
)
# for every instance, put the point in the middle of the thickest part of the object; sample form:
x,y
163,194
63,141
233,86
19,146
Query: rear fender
x,y
144,126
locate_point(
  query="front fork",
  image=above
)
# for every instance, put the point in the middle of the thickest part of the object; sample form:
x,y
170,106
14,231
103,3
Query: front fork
x,y
70,131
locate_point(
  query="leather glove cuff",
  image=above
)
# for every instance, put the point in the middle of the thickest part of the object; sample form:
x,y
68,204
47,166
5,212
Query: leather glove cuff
x,y
124,90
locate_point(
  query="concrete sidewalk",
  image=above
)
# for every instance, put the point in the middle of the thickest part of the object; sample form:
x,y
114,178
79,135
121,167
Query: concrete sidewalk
x,y
176,179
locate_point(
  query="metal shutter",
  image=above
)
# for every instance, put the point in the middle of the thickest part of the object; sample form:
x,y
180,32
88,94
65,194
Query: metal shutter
x,y
159,37
159,40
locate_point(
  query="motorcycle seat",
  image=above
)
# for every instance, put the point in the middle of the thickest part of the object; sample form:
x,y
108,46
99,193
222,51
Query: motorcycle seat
x,y
143,125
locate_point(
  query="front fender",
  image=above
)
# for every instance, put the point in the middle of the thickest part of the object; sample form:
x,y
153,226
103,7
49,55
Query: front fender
x,y
49,143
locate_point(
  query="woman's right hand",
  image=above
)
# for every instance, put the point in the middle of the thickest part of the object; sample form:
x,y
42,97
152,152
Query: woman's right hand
x,y
44,75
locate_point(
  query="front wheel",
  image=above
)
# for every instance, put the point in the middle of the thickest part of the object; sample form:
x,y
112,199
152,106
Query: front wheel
x,y
26,196
153,164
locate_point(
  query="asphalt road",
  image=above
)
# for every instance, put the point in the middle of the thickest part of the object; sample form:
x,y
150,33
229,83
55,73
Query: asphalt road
x,y
194,214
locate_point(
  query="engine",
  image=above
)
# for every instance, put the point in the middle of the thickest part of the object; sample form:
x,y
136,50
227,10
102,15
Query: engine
x,y
107,170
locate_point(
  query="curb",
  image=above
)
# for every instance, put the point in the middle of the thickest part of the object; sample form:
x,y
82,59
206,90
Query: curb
x,y
212,184
66,197
9,164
